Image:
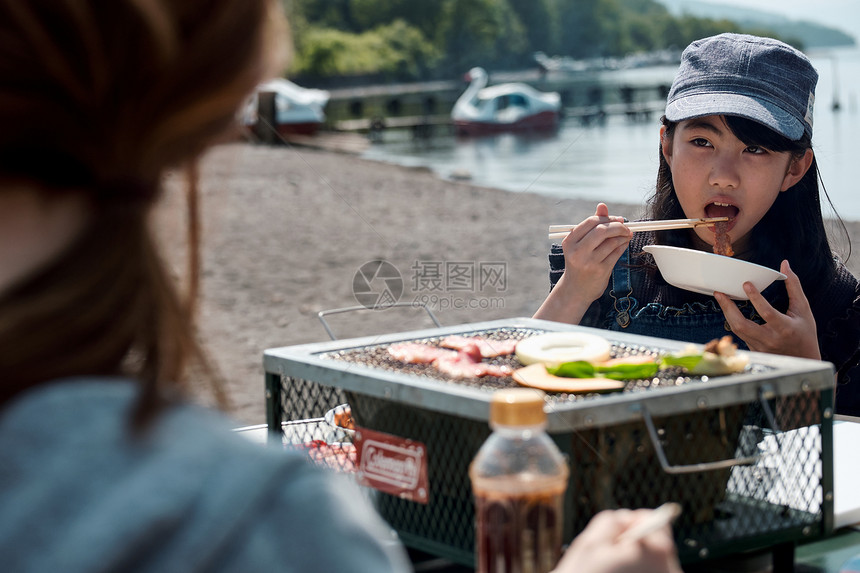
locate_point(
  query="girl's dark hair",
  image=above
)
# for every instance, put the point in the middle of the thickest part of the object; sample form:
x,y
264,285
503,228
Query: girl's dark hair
x,y
100,98
792,229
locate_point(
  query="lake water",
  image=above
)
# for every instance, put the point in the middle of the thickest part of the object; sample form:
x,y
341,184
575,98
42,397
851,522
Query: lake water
x,y
617,161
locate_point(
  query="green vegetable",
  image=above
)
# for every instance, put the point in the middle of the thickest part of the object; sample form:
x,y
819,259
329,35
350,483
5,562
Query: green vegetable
x,y
583,369
628,371
578,369
687,361
706,364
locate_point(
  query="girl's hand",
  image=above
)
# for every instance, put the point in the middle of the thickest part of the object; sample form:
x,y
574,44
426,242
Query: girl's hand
x,y
790,334
590,252
598,550
592,249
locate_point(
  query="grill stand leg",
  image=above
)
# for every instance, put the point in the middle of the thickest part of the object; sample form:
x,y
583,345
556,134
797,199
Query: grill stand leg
x,y
274,410
783,558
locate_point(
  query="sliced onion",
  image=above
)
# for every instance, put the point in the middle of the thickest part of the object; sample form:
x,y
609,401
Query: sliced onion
x,y
555,348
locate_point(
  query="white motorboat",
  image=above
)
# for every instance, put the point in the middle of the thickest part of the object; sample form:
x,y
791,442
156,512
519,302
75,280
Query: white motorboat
x,y
282,107
504,107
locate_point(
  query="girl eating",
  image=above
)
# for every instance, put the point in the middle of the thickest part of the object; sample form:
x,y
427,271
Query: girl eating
x,y
736,142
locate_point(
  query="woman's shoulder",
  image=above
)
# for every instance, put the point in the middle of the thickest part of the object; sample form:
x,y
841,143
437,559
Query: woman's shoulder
x,y
294,511
185,443
319,521
252,504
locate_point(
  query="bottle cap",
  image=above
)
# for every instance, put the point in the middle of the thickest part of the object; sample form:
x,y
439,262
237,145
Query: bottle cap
x,y
517,407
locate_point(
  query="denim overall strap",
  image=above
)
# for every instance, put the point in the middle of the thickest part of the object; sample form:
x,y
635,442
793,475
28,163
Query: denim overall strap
x,y
694,321
621,286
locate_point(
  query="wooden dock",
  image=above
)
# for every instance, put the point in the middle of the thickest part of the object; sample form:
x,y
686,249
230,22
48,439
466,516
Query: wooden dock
x,y
425,125
425,106
355,136
420,125
359,116
339,142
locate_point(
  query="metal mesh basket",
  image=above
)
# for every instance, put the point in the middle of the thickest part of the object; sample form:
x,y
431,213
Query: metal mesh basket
x,y
749,456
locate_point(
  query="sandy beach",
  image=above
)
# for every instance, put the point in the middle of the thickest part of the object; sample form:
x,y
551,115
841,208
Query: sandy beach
x,y
286,229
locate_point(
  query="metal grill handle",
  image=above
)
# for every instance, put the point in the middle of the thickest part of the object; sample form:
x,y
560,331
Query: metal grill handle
x,y
706,466
323,313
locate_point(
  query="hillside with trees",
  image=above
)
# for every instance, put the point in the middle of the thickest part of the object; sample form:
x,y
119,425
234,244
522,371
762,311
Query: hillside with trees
x,y
409,40
811,34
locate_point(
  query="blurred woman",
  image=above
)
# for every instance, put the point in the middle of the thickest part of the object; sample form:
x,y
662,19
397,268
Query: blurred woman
x,y
104,467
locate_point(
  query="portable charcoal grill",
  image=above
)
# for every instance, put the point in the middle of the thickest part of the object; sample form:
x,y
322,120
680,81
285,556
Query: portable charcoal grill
x,y
749,456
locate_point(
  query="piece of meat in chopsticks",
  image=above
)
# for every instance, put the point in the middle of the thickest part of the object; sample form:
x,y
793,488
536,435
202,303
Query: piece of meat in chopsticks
x,y
722,240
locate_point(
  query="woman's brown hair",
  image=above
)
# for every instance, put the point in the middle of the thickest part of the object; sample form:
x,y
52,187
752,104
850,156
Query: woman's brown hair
x,y
101,98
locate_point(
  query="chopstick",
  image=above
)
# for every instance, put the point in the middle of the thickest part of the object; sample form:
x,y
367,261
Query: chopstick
x,y
660,517
561,231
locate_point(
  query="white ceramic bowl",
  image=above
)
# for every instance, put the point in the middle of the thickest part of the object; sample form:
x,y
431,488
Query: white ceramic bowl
x,y
703,272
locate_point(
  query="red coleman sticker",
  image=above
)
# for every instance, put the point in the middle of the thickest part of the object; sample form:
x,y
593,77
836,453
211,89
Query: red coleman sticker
x,y
392,464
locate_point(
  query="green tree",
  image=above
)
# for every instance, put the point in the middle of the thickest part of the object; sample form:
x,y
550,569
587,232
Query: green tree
x,y
397,51
481,33
647,8
671,30
581,30
411,55
643,26
538,18
609,22
320,52
640,35
423,14
335,14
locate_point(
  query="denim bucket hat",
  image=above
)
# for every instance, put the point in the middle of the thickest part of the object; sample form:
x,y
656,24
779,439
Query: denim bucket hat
x,y
757,78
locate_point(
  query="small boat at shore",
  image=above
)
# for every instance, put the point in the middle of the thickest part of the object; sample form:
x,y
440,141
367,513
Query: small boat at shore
x,y
280,107
505,107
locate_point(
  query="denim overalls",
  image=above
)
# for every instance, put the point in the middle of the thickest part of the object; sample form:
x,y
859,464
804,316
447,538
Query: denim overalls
x,y
696,322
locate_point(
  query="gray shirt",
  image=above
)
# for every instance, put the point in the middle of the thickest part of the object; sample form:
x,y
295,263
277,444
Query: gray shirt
x,y
78,493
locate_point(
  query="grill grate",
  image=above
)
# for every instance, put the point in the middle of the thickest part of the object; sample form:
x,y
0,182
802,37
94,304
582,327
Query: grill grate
x,y
376,356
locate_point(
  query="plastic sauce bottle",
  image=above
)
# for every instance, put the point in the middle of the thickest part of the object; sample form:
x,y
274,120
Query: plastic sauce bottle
x,y
519,478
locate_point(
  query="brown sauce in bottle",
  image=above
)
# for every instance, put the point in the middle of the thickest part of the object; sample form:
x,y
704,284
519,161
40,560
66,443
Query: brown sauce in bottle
x,y
518,533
